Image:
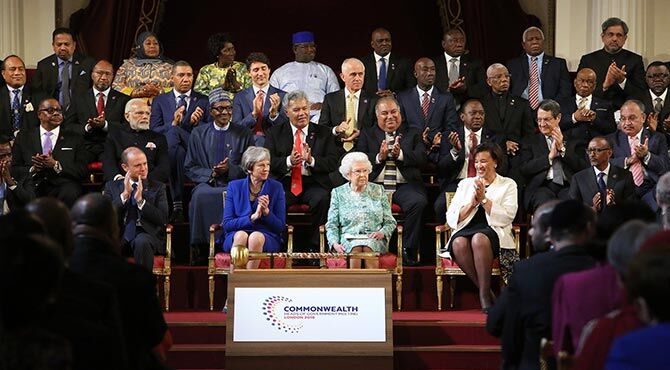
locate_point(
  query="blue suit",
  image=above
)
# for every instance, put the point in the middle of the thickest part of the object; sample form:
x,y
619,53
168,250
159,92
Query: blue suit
x,y
643,349
162,115
238,208
554,79
243,105
441,111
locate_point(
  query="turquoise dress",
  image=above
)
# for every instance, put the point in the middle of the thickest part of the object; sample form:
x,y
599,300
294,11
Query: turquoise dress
x,y
353,215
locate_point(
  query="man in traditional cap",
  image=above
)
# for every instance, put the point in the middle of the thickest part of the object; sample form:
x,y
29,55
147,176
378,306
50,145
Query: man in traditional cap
x,y
314,78
212,160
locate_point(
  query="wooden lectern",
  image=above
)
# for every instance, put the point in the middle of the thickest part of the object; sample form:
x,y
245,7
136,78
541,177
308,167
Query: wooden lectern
x,y
312,354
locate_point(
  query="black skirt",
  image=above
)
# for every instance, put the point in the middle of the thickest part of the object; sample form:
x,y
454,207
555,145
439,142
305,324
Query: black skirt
x,y
478,224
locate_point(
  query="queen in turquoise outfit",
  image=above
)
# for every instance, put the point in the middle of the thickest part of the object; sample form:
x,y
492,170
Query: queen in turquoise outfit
x,y
359,217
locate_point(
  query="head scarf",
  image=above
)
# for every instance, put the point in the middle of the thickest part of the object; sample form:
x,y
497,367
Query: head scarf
x,y
139,49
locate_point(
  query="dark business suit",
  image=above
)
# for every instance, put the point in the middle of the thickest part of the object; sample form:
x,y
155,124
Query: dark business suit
x,y
410,196
535,166
398,74
555,82
470,68
584,185
658,164
604,123
23,193
243,107
46,77
645,98
600,60
30,100
150,219
84,107
527,302
69,151
316,187
334,111
154,145
441,117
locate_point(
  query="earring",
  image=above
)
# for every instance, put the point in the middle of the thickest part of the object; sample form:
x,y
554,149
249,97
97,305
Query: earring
x,y
495,166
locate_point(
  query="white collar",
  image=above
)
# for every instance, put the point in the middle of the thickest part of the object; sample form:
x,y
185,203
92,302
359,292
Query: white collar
x,y
105,92
606,170
347,93
55,132
377,57
421,92
178,94
15,88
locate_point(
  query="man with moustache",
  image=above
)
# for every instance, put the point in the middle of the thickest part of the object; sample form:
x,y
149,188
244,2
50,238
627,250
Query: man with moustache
x,y
387,73
18,101
91,113
56,160
655,98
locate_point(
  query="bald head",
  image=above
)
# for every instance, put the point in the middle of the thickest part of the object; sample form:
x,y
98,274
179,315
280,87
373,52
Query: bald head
x,y
55,216
102,75
94,210
424,71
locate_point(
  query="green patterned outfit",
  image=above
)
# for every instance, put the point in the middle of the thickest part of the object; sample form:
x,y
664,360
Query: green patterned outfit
x,y
212,76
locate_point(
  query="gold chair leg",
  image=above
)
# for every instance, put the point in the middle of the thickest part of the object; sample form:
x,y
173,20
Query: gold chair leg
x,y
439,292
166,292
211,292
452,291
398,291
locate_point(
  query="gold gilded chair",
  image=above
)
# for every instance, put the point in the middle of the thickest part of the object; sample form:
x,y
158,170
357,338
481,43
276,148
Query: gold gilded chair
x,y
163,266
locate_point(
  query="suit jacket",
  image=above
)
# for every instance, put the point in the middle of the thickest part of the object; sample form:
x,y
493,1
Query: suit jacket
x,y
641,349
279,141
164,106
411,145
154,145
442,114
554,79
535,159
30,99
645,98
528,303
153,214
600,60
84,107
471,68
604,123
243,106
515,125
398,76
448,169
69,151
584,185
46,77
334,111
24,191
658,164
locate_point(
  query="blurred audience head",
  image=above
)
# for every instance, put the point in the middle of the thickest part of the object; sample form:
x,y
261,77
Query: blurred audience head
x,y
571,223
625,243
612,218
55,218
648,281
539,227
93,215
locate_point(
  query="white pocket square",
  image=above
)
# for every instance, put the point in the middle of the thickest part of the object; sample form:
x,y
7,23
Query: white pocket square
x,y
66,149
82,73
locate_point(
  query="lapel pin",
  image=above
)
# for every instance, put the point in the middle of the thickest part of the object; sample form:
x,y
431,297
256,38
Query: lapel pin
x,y
511,102
432,100
53,64
392,66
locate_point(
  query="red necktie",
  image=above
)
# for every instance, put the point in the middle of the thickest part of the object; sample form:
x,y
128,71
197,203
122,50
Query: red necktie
x,y
425,104
101,103
296,171
471,156
258,129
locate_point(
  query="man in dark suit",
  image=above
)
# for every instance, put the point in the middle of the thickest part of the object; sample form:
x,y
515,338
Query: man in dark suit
x,y
386,73
91,112
459,72
259,107
537,75
97,256
174,114
55,159
141,205
655,98
303,156
397,153
136,133
584,115
602,184
526,302
641,151
17,107
66,72
426,107
548,159
620,72
16,185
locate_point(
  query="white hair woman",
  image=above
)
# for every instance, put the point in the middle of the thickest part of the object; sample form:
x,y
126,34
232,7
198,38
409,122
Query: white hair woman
x,y
359,217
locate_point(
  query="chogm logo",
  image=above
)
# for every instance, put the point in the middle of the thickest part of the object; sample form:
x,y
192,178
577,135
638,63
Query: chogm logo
x,y
271,306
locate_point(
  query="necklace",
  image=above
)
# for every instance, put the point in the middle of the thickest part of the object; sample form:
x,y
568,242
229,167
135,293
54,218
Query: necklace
x,y
252,193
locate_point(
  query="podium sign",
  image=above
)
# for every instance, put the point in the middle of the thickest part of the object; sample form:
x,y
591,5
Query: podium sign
x,y
308,319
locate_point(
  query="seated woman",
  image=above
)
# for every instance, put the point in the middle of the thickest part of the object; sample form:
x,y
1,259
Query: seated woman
x,y
255,211
481,216
359,217
226,73
148,73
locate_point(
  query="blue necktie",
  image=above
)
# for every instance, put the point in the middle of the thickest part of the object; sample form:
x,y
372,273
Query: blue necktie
x,y
3,190
381,81
130,230
16,109
602,188
182,103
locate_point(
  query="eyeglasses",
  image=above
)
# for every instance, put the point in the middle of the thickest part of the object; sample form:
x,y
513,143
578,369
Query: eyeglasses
x,y
223,108
51,110
596,150
658,75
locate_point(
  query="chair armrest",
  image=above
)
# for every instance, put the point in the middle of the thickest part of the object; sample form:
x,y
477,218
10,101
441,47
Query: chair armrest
x,y
289,246
213,228
516,234
322,238
168,241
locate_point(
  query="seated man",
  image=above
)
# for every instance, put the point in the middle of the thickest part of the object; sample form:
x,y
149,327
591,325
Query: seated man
x,y
213,159
397,152
141,206
175,114
388,73
302,157
56,161
602,184
641,151
17,100
90,113
656,99
136,133
16,184
259,107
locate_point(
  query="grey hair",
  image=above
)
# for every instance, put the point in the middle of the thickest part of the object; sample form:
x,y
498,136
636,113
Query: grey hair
x,y
493,66
386,99
533,28
611,22
293,96
348,161
132,102
635,102
348,61
626,242
253,155
663,190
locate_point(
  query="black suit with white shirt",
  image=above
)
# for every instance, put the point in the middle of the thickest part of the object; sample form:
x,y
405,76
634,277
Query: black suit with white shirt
x,y
398,73
584,131
584,184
